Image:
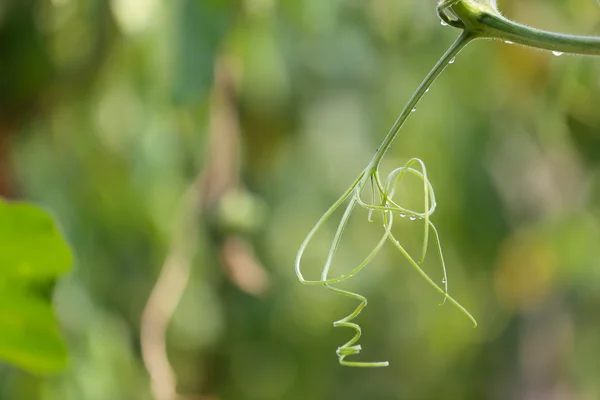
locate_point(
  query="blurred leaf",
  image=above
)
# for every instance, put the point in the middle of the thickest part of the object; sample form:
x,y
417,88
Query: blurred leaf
x,y
25,68
29,336
200,28
585,138
30,244
31,250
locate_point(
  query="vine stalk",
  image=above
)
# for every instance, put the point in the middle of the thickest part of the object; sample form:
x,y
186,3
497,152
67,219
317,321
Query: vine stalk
x,y
477,19
448,57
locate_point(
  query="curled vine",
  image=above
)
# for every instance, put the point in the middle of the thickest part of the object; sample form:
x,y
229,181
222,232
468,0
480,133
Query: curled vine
x,y
477,19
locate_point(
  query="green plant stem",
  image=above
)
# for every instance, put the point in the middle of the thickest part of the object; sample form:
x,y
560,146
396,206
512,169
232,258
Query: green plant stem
x,y
439,67
476,19
482,20
505,29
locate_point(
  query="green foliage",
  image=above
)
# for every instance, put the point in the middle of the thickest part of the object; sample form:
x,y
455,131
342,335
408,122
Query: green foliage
x,y
32,254
109,143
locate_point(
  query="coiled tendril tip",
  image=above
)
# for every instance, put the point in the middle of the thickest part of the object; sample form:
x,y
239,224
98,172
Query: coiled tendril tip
x,y
383,202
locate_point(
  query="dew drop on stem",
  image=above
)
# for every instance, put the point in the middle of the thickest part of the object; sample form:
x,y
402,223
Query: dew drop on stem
x,y
402,215
444,23
452,61
412,218
557,53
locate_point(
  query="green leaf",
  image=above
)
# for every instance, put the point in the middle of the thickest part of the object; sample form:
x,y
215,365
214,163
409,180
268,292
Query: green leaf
x,y
32,254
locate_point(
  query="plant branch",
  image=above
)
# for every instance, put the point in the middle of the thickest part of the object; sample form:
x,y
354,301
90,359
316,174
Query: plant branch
x,y
482,20
448,57
505,29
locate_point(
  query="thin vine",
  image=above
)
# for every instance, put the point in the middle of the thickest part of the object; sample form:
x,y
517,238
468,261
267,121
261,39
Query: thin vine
x,y
478,19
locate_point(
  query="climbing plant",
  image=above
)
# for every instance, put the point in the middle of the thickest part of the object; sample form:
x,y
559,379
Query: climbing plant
x,y
476,19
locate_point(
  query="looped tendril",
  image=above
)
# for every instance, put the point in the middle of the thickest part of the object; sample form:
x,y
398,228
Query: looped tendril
x,y
387,207
476,19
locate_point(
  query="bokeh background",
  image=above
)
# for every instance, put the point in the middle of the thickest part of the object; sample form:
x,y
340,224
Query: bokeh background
x,y
264,112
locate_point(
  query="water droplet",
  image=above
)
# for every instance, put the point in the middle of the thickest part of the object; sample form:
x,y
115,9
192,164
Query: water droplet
x,y
444,281
414,109
508,42
557,53
427,90
452,61
444,23
412,217
402,215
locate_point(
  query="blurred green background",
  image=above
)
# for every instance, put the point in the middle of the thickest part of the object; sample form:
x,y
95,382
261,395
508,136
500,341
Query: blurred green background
x,y
111,110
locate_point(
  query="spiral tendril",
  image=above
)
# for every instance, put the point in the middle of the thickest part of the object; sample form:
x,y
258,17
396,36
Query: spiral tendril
x,y
386,206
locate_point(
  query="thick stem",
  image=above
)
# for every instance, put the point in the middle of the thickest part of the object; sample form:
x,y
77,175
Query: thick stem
x,y
501,28
439,67
483,20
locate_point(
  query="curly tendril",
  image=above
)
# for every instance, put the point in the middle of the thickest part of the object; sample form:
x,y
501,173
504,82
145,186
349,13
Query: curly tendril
x,y
383,203
477,19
